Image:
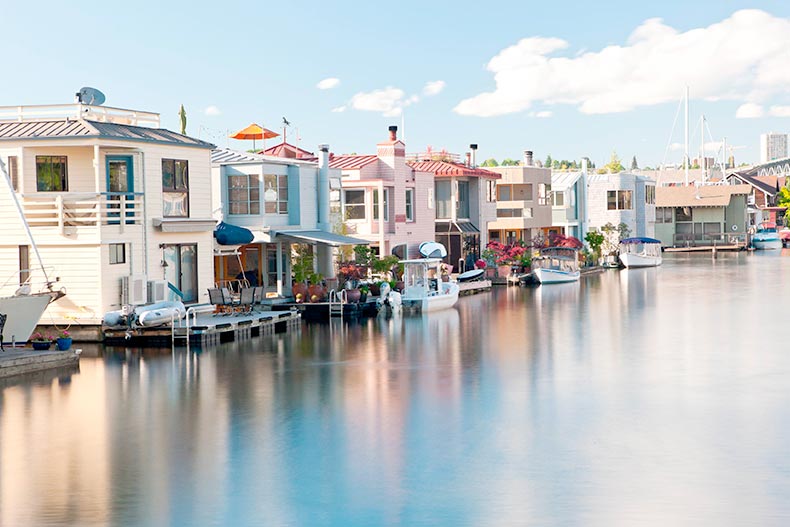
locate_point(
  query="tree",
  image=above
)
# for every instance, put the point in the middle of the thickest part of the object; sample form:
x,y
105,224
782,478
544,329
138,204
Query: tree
x,y
491,162
549,162
595,240
613,234
509,162
614,165
556,164
634,165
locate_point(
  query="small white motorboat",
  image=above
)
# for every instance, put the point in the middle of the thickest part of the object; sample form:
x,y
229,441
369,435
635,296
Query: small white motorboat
x,y
556,265
424,288
433,250
640,252
471,276
766,237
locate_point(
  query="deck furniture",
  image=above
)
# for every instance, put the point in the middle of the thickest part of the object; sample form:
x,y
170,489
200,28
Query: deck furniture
x,y
259,295
246,299
221,298
2,325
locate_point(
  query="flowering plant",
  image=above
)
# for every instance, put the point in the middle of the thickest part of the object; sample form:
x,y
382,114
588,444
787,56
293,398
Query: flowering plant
x,y
350,272
40,337
64,334
507,254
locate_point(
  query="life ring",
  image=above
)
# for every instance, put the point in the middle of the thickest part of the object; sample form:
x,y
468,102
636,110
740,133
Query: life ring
x,y
734,228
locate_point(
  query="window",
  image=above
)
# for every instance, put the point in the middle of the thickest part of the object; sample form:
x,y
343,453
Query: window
x,y
24,264
526,212
386,204
462,203
558,198
13,172
117,253
275,193
618,200
181,270
443,199
683,214
51,174
522,192
244,194
650,195
544,191
175,188
504,192
409,204
354,204
491,191
663,215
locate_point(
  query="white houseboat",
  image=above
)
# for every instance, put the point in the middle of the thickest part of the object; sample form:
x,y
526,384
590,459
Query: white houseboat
x,y
640,252
556,265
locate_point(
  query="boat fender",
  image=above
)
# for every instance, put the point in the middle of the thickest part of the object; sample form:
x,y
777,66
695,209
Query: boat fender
x,y
113,318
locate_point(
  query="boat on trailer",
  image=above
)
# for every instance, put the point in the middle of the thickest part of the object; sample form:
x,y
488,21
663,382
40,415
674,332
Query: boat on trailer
x,y
424,288
767,237
640,252
556,265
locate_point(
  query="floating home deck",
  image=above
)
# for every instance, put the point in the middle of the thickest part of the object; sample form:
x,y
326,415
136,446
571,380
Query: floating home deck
x,y
324,311
19,361
474,287
206,328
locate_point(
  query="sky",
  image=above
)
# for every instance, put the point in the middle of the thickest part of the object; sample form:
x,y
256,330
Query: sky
x,y
566,79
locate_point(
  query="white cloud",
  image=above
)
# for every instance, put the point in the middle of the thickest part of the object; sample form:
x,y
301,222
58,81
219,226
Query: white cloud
x,y
779,111
385,101
749,110
543,114
433,88
742,58
212,111
339,109
328,84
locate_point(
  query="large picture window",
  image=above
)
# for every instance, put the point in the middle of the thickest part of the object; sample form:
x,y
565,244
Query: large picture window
x,y
51,174
354,204
175,188
275,193
386,204
244,194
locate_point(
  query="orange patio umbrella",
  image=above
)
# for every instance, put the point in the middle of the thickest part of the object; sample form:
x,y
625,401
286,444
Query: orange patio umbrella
x,y
254,131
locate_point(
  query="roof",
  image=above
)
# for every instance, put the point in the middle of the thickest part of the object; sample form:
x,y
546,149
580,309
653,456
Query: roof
x,y
564,180
351,162
288,150
324,237
449,168
83,128
702,196
226,155
765,184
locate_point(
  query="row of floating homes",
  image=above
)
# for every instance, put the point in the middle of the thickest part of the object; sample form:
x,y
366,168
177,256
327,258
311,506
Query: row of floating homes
x,y
624,198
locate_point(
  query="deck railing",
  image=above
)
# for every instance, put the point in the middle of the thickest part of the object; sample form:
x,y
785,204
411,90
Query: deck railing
x,y
106,114
72,210
711,239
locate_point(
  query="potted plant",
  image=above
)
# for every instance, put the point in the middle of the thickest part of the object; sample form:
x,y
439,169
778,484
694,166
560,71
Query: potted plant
x,y
40,342
64,340
316,291
364,290
302,267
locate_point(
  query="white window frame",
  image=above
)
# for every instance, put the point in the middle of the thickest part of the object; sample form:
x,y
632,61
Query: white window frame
x,y
374,199
249,201
409,204
355,205
281,203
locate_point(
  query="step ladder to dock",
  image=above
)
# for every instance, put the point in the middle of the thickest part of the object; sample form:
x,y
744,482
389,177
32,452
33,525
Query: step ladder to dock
x,y
336,301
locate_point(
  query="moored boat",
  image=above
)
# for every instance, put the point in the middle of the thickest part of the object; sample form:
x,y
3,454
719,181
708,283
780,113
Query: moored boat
x,y
640,252
424,288
766,237
556,265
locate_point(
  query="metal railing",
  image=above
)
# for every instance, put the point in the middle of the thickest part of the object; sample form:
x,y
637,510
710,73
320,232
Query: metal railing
x,y
107,114
78,209
712,239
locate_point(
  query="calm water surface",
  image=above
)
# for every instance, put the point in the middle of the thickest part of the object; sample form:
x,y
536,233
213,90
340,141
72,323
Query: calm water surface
x,y
647,397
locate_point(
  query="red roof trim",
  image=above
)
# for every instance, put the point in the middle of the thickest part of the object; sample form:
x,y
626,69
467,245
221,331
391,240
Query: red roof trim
x,y
449,169
351,162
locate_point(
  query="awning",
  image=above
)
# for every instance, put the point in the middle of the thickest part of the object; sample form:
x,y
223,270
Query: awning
x,y
463,227
327,238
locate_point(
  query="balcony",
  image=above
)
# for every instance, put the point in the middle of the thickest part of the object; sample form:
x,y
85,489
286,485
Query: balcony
x,y
71,213
106,114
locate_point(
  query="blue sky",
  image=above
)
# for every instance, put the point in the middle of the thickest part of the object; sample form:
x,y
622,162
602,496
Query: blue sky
x,y
555,93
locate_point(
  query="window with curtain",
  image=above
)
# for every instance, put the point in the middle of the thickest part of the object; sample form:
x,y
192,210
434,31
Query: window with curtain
x,y
275,193
175,188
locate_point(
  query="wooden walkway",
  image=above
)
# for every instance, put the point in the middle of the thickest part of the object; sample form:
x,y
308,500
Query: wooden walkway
x,y
18,361
472,288
705,248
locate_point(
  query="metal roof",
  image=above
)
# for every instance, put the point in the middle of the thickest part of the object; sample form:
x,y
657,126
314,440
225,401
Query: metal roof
x,y
564,180
699,196
351,162
226,155
448,168
324,237
82,128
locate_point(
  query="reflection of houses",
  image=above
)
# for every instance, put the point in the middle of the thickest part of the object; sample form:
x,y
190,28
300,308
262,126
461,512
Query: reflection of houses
x,y
384,200
111,198
622,198
281,201
569,203
700,214
465,201
523,206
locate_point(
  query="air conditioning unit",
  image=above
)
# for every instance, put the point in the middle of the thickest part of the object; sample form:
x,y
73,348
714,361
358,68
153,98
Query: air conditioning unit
x,y
134,290
157,290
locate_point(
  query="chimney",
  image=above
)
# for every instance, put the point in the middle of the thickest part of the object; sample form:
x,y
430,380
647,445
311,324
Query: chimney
x,y
393,133
473,147
584,165
323,186
528,158
468,159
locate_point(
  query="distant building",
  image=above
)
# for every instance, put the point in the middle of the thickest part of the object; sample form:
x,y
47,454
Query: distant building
x,y
622,198
523,202
772,146
568,200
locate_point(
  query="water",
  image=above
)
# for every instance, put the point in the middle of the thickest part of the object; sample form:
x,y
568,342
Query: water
x,y
644,397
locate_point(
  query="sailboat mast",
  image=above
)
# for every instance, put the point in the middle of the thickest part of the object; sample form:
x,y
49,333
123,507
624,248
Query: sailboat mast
x,y
686,155
702,151
24,220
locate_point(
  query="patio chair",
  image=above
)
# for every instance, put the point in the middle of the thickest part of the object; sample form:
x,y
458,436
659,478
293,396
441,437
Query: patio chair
x,y
258,295
223,304
246,299
3,318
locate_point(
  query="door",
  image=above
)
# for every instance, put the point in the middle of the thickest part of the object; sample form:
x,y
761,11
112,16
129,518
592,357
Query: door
x,y
120,182
181,270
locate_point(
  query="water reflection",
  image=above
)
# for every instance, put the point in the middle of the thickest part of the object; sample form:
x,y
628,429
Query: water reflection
x,y
633,397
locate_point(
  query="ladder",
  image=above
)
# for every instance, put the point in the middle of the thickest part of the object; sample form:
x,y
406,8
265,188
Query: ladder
x,y
336,301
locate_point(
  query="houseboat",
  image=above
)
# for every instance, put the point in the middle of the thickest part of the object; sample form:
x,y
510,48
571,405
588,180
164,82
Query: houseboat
x,y
424,288
640,252
556,265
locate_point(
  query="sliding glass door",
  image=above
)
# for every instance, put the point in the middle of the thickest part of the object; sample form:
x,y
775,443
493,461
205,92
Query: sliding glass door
x,y
181,269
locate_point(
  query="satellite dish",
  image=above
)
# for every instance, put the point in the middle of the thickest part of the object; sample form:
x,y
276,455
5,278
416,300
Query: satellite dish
x,y
90,96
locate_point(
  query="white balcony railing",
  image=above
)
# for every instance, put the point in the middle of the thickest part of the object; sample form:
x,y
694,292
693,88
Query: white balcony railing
x,y
74,210
106,114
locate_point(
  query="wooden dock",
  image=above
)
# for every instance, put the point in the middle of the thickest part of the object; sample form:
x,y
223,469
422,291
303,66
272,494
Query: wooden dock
x,y
204,328
19,361
705,248
474,287
324,311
